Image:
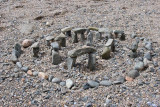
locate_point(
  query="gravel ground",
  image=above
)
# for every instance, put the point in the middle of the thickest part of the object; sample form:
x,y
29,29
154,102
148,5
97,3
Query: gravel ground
x,y
25,19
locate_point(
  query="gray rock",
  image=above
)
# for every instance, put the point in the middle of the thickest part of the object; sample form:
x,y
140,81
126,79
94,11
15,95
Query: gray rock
x,y
80,51
80,31
145,61
69,83
106,53
17,47
55,46
148,55
74,38
148,45
56,80
62,83
139,66
35,73
25,69
86,86
133,74
19,64
88,105
134,46
92,61
120,80
70,62
133,54
56,58
106,83
93,83
50,78
49,40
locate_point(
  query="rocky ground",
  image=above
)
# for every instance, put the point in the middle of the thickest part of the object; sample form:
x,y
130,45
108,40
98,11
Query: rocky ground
x,y
107,86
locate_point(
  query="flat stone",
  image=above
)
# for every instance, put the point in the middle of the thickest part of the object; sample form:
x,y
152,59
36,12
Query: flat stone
x,y
50,38
103,30
62,83
106,83
66,29
93,83
19,64
79,30
55,46
69,83
81,51
93,28
60,37
35,45
109,42
133,74
139,66
27,42
56,80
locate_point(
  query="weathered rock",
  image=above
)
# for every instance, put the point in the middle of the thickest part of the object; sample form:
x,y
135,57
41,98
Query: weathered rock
x,y
145,61
133,74
49,40
92,61
134,46
133,54
27,42
86,86
16,52
62,83
61,39
69,83
56,80
106,83
106,53
93,83
55,46
43,75
35,48
80,51
110,43
74,38
148,45
118,33
56,58
139,66
50,78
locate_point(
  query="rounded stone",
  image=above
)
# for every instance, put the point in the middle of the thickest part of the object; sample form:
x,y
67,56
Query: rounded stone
x,y
43,75
27,42
106,83
29,72
56,80
93,83
139,66
133,74
69,83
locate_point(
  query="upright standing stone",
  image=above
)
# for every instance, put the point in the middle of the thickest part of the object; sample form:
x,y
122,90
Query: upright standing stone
x,y
98,36
92,61
71,62
74,38
17,47
56,58
35,48
110,43
106,53
89,39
